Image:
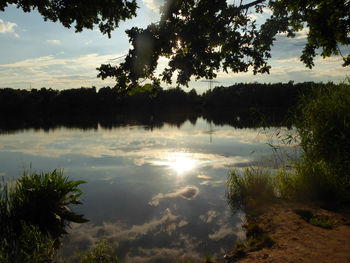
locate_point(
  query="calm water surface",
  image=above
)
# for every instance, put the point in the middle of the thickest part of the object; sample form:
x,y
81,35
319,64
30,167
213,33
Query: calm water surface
x,y
157,194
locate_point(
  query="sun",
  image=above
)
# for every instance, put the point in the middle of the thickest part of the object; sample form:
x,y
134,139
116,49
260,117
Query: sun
x,y
182,164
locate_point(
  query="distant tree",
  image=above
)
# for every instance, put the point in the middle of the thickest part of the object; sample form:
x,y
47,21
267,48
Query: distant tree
x,y
200,37
82,14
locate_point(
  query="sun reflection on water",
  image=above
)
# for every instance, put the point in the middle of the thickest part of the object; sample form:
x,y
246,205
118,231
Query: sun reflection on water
x,y
178,161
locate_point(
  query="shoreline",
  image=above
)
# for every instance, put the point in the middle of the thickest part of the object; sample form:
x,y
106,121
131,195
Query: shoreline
x,y
295,239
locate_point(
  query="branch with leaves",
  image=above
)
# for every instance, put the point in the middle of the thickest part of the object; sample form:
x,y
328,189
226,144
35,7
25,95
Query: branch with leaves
x,y
201,37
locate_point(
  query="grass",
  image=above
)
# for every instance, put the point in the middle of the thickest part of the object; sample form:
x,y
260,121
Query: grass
x,y
324,130
321,176
248,191
256,240
101,253
316,220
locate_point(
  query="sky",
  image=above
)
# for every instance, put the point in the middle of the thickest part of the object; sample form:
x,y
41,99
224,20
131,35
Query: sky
x,y
35,54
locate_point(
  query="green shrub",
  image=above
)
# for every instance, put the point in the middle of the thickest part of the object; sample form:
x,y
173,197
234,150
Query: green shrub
x,y
284,183
101,253
34,212
324,130
316,181
43,200
30,246
250,190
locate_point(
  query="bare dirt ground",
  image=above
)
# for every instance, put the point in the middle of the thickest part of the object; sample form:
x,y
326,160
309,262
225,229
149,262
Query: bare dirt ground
x,y
296,240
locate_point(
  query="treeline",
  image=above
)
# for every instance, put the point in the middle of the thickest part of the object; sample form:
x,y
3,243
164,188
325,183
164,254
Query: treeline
x,y
240,105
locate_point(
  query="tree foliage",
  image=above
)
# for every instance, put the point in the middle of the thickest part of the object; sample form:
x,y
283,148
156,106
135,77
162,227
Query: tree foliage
x,y
201,37
83,14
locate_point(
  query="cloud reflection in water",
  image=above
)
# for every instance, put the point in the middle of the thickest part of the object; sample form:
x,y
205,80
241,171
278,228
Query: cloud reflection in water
x,y
131,186
189,192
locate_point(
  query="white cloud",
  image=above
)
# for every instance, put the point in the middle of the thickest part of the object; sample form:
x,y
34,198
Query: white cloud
x,y
115,230
302,34
54,41
154,5
8,27
203,176
289,60
188,192
335,60
223,231
208,218
50,71
183,223
267,10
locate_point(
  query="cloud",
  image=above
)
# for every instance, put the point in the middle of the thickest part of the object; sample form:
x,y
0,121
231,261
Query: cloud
x,y
208,218
160,146
288,60
188,192
302,34
8,27
203,176
138,243
54,41
214,183
52,71
154,5
183,223
223,231
166,223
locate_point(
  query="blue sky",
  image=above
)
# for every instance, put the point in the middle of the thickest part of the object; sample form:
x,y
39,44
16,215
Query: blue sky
x,y
39,54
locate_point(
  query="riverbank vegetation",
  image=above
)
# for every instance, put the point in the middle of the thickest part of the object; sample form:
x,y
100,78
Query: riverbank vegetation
x,y
320,177
34,210
322,174
34,214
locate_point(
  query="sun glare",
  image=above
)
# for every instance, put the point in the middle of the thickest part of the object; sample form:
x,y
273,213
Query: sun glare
x,y
182,164
178,161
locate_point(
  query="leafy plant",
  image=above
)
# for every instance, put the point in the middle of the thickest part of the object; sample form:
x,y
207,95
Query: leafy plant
x,y
34,212
30,246
101,253
43,200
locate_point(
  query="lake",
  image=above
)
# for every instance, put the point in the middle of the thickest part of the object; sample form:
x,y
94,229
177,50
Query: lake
x,y
157,194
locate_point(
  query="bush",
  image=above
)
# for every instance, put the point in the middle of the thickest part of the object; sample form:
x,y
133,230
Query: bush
x,y
323,174
252,189
43,200
34,212
101,253
30,246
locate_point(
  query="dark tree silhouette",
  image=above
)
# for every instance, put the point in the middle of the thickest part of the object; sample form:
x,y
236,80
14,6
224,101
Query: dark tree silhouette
x,y
83,14
201,37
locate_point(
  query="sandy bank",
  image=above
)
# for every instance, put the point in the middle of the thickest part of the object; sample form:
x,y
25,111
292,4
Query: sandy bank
x,y
296,240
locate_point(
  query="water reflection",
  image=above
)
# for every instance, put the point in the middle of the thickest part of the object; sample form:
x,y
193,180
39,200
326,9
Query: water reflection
x,y
188,192
178,161
159,193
